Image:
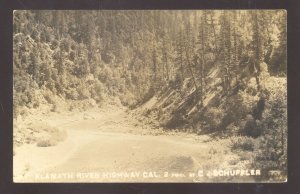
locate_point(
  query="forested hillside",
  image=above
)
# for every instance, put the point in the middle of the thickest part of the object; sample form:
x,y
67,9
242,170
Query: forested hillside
x,y
129,54
208,71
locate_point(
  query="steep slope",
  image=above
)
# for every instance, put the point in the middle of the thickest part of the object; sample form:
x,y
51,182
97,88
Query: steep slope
x,y
238,110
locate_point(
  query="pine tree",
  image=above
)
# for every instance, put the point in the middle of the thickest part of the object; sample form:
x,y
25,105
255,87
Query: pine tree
x,y
257,47
226,49
33,68
179,60
235,45
166,55
277,61
202,46
189,50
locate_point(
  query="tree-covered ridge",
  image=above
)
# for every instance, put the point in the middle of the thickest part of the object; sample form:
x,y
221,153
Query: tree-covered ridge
x,y
83,54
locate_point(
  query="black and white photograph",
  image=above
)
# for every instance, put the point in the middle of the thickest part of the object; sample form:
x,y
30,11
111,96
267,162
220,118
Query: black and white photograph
x,y
150,96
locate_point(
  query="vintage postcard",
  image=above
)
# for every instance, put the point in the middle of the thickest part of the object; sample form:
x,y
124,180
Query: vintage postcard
x,y
150,96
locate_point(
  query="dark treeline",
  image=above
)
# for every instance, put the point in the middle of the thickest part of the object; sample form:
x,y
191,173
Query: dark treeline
x,y
132,54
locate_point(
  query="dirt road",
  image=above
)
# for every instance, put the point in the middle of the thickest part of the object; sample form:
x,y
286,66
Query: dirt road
x,y
113,147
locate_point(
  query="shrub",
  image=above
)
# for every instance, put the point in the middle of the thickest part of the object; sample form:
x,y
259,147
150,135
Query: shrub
x,y
214,118
243,143
36,104
128,99
46,143
227,120
259,108
232,129
72,94
176,121
55,136
97,92
235,110
83,92
65,45
23,100
54,44
54,108
147,112
251,128
72,56
272,154
273,146
49,97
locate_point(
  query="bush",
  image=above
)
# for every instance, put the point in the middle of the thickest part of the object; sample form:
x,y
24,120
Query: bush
x,y
214,118
36,104
46,143
251,127
65,45
54,44
72,94
83,92
272,153
243,143
235,110
97,92
49,97
56,136
233,129
227,120
128,99
259,108
176,121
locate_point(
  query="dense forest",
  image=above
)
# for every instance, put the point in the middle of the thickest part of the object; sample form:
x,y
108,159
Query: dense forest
x,y
131,53
211,71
